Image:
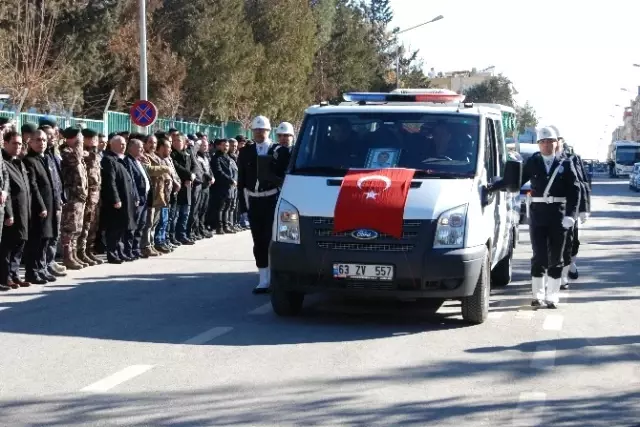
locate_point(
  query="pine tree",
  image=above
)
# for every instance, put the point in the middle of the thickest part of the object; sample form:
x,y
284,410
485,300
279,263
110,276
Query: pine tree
x,y
286,30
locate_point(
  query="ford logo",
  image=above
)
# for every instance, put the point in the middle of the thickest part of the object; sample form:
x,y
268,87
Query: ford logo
x,y
364,234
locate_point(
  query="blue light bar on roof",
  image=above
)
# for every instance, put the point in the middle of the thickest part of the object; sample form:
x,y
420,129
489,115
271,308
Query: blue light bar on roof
x,y
365,97
440,96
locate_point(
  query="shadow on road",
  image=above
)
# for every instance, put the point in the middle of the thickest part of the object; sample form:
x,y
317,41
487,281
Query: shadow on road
x,y
319,402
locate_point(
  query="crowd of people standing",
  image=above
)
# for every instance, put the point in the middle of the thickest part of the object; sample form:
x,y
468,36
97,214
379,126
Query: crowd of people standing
x,y
125,195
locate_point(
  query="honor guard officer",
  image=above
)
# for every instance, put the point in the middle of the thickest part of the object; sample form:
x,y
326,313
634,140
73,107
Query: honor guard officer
x,y
282,153
555,192
572,244
260,197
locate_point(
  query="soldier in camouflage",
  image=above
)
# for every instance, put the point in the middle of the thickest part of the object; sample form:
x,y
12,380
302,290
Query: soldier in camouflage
x,y
87,237
75,188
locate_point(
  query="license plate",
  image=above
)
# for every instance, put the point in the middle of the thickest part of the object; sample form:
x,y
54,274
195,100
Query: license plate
x,y
363,271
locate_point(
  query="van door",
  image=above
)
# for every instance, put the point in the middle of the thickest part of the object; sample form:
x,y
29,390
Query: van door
x,y
496,212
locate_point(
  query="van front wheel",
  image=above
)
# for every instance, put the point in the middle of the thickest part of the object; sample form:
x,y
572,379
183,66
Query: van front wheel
x,y
475,308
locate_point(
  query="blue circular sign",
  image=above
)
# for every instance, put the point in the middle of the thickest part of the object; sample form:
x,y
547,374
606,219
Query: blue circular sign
x,y
143,113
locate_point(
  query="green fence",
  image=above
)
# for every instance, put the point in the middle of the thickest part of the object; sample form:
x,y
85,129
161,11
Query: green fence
x,y
120,122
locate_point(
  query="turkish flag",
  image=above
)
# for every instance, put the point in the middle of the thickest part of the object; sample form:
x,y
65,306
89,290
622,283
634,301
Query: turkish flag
x,y
373,200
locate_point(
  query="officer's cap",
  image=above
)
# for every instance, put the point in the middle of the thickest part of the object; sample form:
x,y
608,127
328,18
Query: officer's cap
x,y
47,121
70,132
89,133
28,128
547,132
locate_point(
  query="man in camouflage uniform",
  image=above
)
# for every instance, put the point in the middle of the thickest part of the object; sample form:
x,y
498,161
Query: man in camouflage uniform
x,y
90,220
75,189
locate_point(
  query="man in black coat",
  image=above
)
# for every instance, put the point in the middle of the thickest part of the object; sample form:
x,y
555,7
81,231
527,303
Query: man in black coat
x,y
179,212
17,214
196,189
44,206
119,200
142,183
225,186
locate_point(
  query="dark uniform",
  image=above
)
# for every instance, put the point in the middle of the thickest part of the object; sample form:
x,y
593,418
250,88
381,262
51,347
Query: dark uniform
x,y
259,199
555,194
572,243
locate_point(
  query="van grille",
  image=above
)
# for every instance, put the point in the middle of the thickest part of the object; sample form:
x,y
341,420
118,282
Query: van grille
x,y
327,239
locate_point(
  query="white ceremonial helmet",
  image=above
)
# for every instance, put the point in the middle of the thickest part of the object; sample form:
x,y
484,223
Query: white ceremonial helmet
x,y
547,132
260,122
285,128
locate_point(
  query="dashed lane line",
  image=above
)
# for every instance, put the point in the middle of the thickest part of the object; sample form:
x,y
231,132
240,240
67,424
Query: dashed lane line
x,y
553,322
116,379
544,357
209,335
263,309
530,410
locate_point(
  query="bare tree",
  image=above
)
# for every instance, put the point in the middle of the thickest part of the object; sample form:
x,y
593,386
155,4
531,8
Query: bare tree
x,y
28,57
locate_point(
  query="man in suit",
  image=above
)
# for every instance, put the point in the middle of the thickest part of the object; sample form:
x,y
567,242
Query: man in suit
x,y
44,205
119,200
16,216
225,186
142,181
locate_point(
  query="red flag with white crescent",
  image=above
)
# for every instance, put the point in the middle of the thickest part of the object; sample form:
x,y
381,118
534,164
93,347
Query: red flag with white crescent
x,y
373,199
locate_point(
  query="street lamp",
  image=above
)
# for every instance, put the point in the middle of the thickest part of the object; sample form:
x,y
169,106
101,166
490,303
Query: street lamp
x,y
397,32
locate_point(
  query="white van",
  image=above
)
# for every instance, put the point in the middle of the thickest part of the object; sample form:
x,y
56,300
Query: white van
x,y
435,258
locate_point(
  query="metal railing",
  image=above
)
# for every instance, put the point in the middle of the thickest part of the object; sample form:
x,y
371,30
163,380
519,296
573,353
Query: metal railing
x,y
120,122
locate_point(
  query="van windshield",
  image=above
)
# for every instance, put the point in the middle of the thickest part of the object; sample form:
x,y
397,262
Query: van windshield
x,y
442,145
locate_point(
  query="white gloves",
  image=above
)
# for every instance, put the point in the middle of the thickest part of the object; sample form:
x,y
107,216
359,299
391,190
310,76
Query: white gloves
x,y
568,222
584,216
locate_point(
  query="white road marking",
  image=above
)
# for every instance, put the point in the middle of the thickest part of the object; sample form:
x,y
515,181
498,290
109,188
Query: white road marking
x,y
118,378
553,322
207,336
544,357
495,315
263,309
530,409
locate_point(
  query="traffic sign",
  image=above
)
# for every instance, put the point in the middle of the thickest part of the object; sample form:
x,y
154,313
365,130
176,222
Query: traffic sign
x,y
143,113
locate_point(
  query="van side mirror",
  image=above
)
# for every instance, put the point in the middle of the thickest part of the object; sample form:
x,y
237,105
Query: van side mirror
x,y
512,180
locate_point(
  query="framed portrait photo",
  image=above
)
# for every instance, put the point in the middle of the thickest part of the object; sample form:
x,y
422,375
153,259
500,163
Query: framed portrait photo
x,y
381,158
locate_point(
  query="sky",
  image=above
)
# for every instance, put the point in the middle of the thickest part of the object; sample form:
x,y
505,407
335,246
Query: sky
x,y
569,60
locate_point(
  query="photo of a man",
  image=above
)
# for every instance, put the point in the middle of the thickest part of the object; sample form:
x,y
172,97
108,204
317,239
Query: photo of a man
x,y
382,158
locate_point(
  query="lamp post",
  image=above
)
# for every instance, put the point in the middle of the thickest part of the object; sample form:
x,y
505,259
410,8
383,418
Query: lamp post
x,y
143,48
397,32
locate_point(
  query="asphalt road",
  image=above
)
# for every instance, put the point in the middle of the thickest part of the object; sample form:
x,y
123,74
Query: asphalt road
x,y
181,341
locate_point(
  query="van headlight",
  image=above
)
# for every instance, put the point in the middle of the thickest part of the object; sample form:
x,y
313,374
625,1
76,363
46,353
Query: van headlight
x,y
451,228
287,223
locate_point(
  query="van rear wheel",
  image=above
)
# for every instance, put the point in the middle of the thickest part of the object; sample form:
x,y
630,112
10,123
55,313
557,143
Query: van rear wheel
x,y
475,308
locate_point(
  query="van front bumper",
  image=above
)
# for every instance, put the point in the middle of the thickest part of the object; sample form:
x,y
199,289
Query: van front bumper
x,y
434,273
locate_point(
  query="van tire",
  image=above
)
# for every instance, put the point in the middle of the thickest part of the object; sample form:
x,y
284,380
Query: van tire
x,y
503,272
475,308
286,303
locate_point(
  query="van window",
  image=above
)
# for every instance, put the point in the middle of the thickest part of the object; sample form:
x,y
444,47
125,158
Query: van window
x,y
502,149
490,150
445,145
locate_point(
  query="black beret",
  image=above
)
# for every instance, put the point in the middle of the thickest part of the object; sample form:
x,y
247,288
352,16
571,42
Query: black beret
x,y
47,121
4,121
28,128
70,132
89,133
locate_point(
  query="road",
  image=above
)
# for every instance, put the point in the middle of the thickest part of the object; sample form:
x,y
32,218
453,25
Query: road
x,y
181,341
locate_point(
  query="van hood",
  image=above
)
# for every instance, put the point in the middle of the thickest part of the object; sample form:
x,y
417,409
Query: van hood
x,y
312,196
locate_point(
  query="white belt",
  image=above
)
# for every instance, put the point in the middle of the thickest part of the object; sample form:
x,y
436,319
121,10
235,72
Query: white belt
x,y
549,199
262,193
